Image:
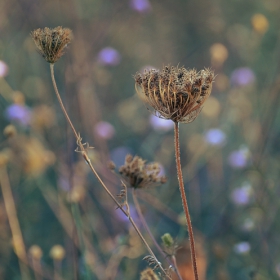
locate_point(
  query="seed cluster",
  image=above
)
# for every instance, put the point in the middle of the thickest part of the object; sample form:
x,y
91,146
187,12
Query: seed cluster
x,y
51,42
175,93
139,174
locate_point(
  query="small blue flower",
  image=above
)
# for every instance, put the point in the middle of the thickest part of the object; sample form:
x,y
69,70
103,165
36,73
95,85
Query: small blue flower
x,y
215,137
18,113
109,56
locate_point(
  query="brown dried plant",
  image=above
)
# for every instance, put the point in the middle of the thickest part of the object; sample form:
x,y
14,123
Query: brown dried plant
x,y
139,174
175,93
52,42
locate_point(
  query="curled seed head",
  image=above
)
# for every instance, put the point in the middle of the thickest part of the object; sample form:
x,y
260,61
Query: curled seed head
x,y
138,174
175,93
51,42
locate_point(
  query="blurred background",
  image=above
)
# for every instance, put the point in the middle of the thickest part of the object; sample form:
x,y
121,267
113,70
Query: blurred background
x,y
230,153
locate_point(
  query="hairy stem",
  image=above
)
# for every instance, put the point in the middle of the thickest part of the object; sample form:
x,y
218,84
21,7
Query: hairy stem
x,y
184,199
86,158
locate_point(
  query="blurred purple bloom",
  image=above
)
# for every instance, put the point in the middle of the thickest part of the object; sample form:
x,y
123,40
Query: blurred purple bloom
x,y
109,56
215,137
18,113
242,76
160,124
141,6
239,158
242,248
242,195
4,69
104,130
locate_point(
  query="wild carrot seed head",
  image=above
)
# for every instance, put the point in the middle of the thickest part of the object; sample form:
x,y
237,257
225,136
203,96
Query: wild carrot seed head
x,y
175,93
139,174
52,42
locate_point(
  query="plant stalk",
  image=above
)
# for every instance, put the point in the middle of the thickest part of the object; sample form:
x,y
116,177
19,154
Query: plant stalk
x,y
184,199
86,158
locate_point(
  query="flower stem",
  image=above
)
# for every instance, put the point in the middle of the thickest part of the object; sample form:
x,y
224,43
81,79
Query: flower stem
x,y
184,199
86,158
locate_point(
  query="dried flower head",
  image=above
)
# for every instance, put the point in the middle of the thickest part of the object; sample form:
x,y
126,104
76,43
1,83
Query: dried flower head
x,y
139,174
175,93
51,42
148,274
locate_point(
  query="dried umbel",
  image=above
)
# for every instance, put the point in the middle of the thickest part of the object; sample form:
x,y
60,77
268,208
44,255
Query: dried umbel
x,y
52,42
175,93
139,174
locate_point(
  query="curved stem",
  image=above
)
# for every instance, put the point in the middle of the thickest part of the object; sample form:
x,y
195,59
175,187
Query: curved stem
x,y
184,199
143,221
78,138
86,158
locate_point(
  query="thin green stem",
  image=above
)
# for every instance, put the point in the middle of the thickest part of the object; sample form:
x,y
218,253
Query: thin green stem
x,y
86,158
184,199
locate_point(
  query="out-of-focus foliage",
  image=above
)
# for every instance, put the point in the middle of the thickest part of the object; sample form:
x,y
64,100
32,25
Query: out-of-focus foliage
x,y
230,153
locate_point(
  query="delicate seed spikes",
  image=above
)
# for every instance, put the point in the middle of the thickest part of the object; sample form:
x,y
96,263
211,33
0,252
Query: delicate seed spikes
x,y
175,93
139,174
51,42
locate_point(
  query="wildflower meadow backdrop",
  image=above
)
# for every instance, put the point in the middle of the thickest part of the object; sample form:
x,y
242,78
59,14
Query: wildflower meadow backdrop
x,y
58,222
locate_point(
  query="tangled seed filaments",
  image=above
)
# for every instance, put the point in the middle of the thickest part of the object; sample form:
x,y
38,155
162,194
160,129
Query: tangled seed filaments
x,y
175,93
51,43
138,174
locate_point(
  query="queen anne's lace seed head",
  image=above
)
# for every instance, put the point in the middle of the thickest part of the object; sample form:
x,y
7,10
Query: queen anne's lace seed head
x,y
51,42
175,93
138,174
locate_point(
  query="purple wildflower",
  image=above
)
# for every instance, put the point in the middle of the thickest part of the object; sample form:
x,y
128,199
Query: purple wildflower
x,y
242,195
242,76
215,137
239,158
18,113
141,6
109,56
242,248
104,130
